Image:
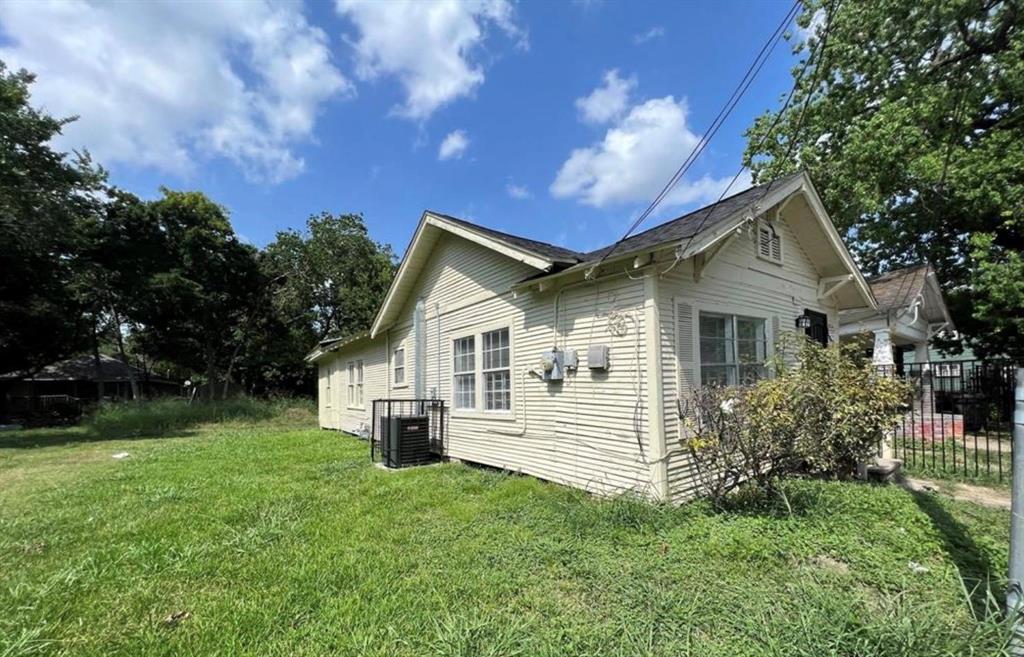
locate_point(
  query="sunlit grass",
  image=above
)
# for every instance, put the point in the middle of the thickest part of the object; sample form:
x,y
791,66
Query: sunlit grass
x,y
281,539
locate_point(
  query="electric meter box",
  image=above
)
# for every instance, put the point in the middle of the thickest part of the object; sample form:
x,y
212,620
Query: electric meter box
x,y
553,365
597,357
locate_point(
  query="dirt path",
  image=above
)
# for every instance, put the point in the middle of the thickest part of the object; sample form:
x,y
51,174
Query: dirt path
x,y
990,497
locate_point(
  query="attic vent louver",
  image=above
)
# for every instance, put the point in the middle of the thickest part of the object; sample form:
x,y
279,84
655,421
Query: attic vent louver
x,y
769,244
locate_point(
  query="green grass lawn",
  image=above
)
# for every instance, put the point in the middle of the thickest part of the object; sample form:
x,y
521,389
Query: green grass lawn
x,y
281,539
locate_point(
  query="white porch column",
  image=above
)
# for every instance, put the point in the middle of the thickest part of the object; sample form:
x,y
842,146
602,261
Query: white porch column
x,y
921,352
882,354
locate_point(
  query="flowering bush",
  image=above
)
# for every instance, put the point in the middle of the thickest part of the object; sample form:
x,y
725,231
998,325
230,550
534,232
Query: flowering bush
x,y
823,410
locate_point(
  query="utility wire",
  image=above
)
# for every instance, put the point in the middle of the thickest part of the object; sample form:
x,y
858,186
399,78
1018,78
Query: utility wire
x,y
752,71
775,122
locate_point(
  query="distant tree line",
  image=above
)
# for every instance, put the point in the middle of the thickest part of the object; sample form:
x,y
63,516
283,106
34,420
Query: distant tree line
x,y
86,267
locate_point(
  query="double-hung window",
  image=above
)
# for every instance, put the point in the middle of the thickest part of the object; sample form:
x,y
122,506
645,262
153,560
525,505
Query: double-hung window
x,y
482,381
355,384
399,362
496,371
733,349
464,369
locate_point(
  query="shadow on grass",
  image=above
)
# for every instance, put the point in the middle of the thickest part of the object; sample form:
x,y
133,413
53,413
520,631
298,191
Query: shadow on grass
x,y
54,437
972,562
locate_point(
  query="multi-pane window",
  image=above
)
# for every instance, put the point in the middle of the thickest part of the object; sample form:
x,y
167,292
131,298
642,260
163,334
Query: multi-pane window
x,y
733,349
330,375
351,383
399,361
496,370
464,372
355,383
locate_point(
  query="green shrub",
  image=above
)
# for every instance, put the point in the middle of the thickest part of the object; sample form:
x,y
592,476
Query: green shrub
x,y
823,411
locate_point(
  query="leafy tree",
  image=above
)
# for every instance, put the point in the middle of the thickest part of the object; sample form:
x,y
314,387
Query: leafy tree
x,y
46,198
334,275
913,130
197,287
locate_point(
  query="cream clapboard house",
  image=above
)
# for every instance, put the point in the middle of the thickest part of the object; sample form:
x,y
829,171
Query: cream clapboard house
x,y
472,312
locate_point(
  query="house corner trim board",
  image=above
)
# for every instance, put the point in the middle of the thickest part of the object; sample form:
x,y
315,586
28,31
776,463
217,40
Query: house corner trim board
x,y
655,390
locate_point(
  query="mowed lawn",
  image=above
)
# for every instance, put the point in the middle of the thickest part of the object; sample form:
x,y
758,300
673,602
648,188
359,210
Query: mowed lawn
x,y
276,538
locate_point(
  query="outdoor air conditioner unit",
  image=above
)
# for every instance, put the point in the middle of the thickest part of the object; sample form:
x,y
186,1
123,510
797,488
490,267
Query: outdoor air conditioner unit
x,y
407,441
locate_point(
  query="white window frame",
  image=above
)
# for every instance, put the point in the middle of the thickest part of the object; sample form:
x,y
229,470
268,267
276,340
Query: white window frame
x,y
773,236
471,372
350,400
484,371
330,375
355,384
727,309
478,410
395,368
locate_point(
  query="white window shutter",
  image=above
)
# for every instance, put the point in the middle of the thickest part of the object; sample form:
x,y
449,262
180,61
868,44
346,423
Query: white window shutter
x,y
684,349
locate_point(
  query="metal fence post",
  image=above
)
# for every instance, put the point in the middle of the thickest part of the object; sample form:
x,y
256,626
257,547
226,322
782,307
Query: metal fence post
x,y
1014,592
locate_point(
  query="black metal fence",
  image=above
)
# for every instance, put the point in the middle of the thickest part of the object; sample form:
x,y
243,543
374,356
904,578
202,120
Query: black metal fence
x,y
407,432
959,420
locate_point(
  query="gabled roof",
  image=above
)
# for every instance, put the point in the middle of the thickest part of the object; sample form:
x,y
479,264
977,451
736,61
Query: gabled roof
x,y
541,256
555,253
897,289
333,344
900,288
697,230
699,221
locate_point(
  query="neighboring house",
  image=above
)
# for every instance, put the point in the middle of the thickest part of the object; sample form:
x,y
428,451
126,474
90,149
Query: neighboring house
x,y
77,379
911,311
475,317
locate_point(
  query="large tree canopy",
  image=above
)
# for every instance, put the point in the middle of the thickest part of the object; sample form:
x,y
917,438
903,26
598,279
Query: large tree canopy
x,y
46,199
335,276
910,123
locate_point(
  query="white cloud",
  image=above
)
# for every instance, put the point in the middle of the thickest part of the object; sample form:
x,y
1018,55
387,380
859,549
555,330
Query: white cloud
x,y
428,46
607,102
518,192
454,145
655,32
162,84
637,156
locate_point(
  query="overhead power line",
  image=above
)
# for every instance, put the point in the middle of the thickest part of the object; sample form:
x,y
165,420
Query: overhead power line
x,y
752,71
818,57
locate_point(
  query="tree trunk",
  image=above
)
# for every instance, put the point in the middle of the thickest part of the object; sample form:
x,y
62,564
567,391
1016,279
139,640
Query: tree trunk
x,y
124,358
211,372
97,363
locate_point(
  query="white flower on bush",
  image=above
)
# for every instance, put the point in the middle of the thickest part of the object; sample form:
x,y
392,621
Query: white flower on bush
x,y
728,405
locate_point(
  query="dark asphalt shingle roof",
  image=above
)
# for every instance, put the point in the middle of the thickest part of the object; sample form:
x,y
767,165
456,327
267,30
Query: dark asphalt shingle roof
x,y
680,228
695,222
550,251
83,368
898,289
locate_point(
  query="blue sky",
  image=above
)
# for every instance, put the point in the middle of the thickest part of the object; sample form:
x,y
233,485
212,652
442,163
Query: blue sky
x,y
560,120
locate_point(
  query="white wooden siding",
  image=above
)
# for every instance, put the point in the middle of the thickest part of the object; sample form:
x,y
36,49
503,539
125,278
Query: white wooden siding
x,y
735,282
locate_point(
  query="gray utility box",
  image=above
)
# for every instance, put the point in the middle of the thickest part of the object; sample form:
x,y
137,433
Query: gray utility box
x,y
407,441
597,357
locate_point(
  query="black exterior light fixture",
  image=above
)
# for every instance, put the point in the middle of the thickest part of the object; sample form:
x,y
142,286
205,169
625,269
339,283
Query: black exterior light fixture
x,y
803,321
